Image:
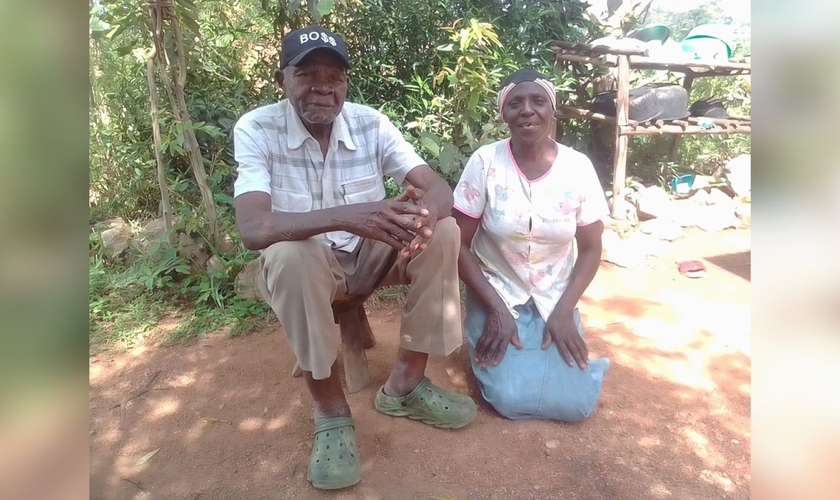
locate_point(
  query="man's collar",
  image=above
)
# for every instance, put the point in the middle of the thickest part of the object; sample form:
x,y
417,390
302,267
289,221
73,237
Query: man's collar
x,y
297,134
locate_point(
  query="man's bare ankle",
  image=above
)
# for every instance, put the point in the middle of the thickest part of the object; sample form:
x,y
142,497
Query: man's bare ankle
x,y
398,389
321,415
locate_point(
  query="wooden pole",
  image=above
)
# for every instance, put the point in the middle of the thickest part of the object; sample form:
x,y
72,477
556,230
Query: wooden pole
x,y
685,130
368,339
597,49
621,141
597,61
165,203
356,374
675,143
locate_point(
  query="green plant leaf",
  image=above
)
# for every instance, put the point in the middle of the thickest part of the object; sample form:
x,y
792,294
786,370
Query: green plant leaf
x,y
430,143
97,24
325,6
447,157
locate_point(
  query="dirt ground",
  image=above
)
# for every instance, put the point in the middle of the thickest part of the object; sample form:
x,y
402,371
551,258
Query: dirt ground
x,y
673,421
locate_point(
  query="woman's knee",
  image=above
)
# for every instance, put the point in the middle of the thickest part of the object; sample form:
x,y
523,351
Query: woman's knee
x,y
568,409
510,402
520,402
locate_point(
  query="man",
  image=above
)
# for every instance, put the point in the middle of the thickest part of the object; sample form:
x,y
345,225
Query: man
x,y
310,196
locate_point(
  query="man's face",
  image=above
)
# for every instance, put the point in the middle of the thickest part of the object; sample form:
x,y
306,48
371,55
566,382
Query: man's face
x,y
316,87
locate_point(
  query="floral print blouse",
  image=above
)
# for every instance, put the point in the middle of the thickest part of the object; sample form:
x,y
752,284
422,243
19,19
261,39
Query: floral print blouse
x,y
525,240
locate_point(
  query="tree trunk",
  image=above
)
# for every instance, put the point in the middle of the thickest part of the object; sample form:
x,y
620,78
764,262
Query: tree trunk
x,y
161,170
158,11
193,150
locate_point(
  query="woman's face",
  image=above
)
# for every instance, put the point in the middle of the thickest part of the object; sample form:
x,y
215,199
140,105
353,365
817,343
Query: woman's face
x,y
528,112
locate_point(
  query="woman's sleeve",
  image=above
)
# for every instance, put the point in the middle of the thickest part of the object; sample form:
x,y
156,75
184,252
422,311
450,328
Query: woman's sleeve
x,y
593,205
470,193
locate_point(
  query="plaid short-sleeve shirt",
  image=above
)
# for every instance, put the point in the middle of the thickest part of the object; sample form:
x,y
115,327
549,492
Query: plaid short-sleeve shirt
x,y
275,154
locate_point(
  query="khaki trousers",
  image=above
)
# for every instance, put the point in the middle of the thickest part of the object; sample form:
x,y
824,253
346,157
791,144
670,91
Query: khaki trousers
x,y
301,279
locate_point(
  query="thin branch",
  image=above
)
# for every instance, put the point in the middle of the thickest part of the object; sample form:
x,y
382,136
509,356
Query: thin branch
x,y
146,387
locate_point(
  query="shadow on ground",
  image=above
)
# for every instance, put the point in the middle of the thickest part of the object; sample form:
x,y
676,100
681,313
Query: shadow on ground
x,y
736,263
649,438
229,422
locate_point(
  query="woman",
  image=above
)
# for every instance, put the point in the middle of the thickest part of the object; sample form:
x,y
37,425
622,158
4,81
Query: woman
x,y
520,204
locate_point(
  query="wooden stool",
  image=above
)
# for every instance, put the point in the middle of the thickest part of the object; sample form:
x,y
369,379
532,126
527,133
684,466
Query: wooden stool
x,y
356,336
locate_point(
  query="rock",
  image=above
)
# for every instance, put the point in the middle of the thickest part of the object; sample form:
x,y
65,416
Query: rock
x,y
626,211
194,247
743,210
116,239
620,252
152,231
701,197
711,196
718,197
214,263
717,218
227,245
737,174
700,182
621,227
553,444
245,283
661,229
648,245
686,212
652,203
609,240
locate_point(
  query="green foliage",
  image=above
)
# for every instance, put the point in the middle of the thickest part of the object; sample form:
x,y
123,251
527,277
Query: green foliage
x,y
462,118
432,66
126,301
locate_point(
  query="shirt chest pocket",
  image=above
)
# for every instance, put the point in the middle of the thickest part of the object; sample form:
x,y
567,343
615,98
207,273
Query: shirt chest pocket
x,y
363,190
283,200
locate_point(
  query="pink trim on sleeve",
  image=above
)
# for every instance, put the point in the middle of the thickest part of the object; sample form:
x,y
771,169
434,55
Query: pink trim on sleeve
x,y
465,212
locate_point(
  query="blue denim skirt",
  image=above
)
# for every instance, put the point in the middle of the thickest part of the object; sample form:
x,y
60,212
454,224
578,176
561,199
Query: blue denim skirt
x,y
533,382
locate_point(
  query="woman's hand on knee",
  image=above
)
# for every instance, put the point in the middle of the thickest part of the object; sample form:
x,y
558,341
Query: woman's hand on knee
x,y
562,330
499,331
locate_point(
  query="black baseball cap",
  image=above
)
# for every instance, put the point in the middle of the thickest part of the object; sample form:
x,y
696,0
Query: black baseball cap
x,y
299,43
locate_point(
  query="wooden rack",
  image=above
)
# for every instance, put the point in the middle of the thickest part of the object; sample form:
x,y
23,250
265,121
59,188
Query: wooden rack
x,y
627,59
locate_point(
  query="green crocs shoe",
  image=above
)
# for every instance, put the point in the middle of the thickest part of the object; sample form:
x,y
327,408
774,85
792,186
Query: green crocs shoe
x,y
334,462
430,404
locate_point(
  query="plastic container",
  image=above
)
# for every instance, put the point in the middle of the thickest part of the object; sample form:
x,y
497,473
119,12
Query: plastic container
x,y
682,184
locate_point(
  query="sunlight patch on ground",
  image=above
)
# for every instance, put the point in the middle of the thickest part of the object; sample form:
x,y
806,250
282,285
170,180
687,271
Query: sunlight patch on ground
x,y
703,448
251,424
281,421
457,376
276,424
660,491
94,372
649,442
166,408
138,351
678,371
717,479
184,380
